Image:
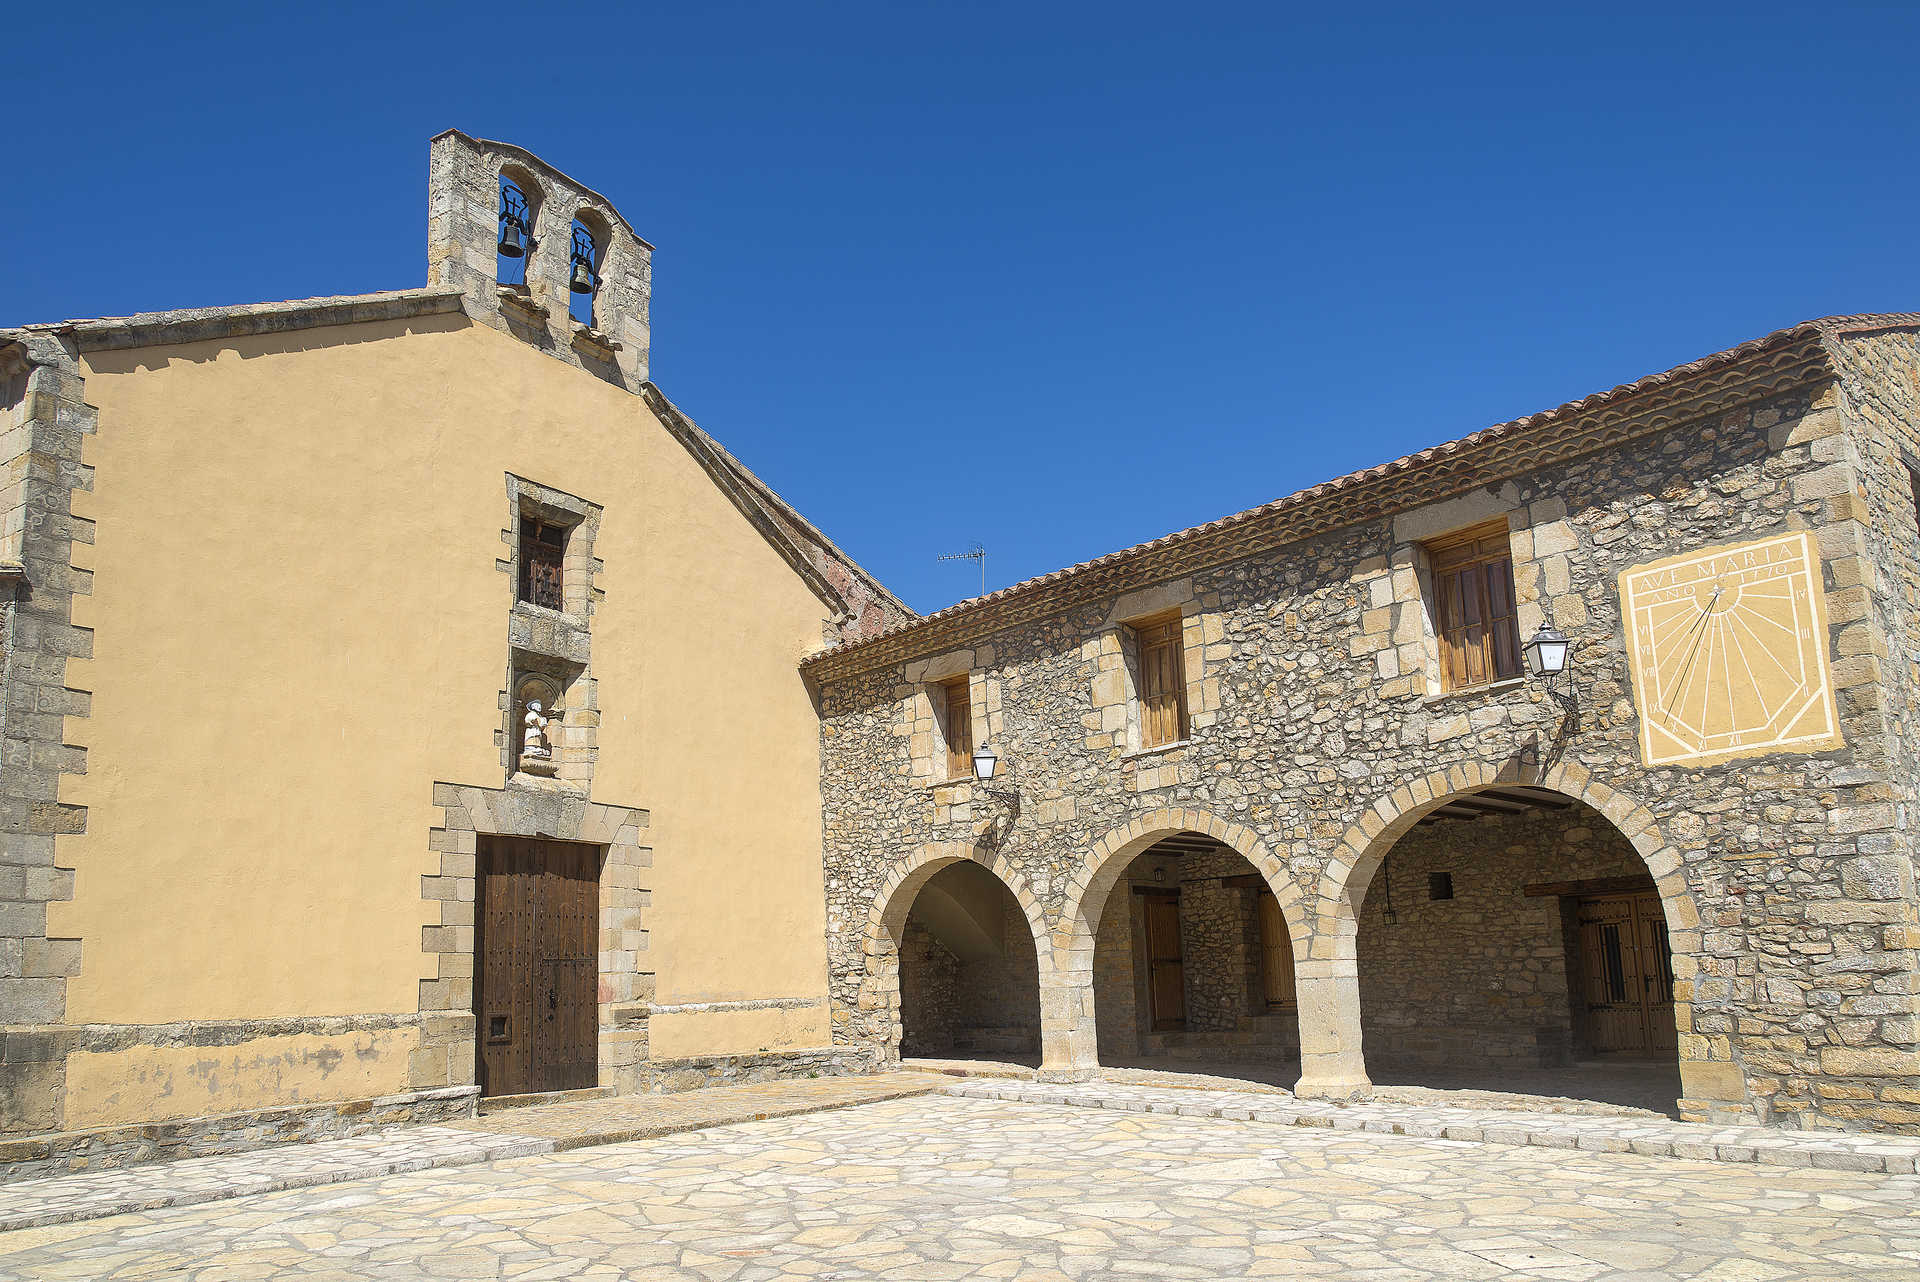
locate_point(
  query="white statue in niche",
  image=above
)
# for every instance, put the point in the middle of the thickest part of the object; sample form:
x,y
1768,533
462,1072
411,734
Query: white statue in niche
x,y
535,745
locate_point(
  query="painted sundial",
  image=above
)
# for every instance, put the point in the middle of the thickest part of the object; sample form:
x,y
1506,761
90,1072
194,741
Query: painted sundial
x,y
1729,652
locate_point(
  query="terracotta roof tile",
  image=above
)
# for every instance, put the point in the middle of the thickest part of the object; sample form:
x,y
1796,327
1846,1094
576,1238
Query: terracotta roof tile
x,y
1823,327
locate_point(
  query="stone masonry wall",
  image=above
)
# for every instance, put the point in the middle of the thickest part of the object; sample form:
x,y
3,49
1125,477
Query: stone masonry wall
x,y
1880,392
987,1004
1219,941
1480,978
929,993
1794,966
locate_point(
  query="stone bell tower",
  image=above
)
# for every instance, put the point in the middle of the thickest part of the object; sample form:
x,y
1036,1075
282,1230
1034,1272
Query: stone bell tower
x,y
577,255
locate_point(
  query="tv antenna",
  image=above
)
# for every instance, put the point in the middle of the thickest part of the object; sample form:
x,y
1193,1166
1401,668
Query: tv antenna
x,y
974,553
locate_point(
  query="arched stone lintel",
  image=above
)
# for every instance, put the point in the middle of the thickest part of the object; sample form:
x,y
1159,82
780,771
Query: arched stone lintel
x,y
1068,1036
887,922
1349,871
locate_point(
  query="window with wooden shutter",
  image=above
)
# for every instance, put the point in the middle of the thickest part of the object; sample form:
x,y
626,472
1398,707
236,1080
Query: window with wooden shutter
x,y
1162,683
959,728
1474,610
543,551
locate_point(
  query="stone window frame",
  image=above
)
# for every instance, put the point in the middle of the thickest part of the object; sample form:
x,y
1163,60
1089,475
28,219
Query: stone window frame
x,y
923,711
555,644
447,1054
1398,629
1116,675
1436,548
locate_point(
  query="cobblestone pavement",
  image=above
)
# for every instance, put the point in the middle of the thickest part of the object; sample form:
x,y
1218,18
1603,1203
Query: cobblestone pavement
x,y
1644,1134
945,1187
514,1132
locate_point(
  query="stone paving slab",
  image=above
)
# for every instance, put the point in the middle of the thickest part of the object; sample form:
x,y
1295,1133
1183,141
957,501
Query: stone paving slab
x,y
943,1189
1651,1137
514,1133
580,1123
92,1194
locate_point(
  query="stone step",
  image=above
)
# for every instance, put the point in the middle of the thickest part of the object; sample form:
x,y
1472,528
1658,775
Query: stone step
x,y
1652,1137
496,1103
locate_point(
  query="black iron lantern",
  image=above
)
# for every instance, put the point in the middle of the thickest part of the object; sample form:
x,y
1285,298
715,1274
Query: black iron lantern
x,y
583,279
1546,652
514,227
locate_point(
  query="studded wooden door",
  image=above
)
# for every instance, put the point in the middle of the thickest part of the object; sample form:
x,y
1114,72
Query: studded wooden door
x,y
1627,974
536,985
1166,968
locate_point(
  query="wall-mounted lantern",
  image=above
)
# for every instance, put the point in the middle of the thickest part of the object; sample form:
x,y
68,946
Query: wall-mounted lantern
x,y
1545,653
985,762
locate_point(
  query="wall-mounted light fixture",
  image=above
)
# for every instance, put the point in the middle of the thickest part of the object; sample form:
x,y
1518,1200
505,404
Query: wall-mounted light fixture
x,y
1545,653
985,762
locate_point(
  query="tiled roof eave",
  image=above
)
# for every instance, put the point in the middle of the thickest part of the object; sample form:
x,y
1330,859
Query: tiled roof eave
x,y
1763,367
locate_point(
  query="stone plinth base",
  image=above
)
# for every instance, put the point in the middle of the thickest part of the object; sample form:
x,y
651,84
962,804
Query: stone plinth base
x,y
64,1152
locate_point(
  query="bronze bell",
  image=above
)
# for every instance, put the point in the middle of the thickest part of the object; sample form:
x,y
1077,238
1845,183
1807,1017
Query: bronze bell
x,y
513,241
582,282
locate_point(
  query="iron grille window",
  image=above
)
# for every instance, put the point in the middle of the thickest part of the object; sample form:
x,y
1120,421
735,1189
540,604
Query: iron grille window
x,y
543,550
1439,885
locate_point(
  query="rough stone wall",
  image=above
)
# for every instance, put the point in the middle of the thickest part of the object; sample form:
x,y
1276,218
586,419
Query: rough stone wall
x,y
1480,978
1219,941
929,993
1001,995
1119,1018
989,1004
1794,982
1880,393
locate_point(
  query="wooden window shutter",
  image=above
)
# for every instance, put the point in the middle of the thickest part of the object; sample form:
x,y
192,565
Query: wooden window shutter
x,y
543,550
959,719
1476,616
1163,683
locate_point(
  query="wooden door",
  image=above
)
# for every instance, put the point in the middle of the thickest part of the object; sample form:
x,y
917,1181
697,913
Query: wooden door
x,y
535,994
1627,974
1656,974
1166,972
1276,952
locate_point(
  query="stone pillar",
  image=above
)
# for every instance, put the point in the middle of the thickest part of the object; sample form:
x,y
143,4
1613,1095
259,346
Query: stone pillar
x,y
1068,1045
1332,1065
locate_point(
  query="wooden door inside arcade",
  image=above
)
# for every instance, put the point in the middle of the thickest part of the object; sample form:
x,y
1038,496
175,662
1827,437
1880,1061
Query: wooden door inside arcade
x,y
537,915
1626,974
1166,967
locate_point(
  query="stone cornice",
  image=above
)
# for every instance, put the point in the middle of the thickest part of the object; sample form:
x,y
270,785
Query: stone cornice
x,y
200,324
1764,367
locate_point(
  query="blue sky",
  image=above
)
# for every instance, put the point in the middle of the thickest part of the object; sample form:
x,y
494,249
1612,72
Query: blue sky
x,y
1056,278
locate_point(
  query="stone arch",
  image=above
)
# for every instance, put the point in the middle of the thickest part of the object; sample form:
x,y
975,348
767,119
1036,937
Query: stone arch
x,y
887,923
1350,870
1069,1037
1086,894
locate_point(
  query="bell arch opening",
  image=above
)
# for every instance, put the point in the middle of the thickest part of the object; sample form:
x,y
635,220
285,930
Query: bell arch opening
x,y
520,197
1512,938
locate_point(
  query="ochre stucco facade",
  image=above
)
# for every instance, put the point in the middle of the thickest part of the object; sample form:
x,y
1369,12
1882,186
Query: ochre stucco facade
x,y
291,545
